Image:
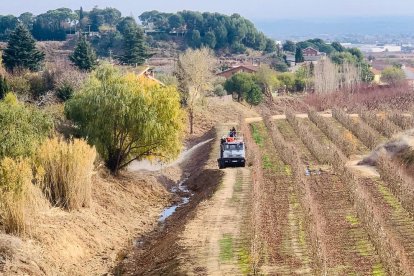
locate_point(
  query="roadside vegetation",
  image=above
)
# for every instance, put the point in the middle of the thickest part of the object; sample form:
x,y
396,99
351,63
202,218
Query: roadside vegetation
x,y
121,116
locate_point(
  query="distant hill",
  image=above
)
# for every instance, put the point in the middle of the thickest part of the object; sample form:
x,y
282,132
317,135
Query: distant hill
x,y
334,27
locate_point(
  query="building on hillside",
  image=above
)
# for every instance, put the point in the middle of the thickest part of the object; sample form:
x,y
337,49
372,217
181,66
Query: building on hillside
x,y
311,54
239,69
146,72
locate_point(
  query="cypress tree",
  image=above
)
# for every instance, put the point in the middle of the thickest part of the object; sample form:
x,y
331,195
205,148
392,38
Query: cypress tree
x,y
299,56
81,16
21,51
84,56
135,51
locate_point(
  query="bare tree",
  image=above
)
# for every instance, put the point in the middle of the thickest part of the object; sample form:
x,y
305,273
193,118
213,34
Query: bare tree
x,y
329,77
195,72
326,76
350,77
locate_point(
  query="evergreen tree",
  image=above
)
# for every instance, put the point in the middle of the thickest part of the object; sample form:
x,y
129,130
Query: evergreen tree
x,y
311,69
299,56
21,51
84,56
135,51
4,87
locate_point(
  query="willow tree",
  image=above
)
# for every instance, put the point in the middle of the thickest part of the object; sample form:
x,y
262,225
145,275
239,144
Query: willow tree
x,y
195,72
127,117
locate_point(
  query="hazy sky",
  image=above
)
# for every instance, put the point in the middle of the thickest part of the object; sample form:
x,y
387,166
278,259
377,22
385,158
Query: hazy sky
x,y
253,9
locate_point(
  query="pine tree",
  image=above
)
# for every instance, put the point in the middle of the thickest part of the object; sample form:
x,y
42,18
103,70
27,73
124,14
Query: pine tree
x,y
21,52
4,87
299,56
84,56
135,51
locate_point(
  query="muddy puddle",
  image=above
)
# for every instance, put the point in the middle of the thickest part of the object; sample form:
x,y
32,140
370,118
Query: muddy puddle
x,y
185,195
180,190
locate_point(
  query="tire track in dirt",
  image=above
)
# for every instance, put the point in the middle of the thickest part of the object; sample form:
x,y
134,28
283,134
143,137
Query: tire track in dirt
x,y
213,238
216,240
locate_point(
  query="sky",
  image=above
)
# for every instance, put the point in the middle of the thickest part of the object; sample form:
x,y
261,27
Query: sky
x,y
256,10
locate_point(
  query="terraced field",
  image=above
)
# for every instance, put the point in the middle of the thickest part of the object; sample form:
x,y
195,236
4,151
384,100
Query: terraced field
x,y
324,217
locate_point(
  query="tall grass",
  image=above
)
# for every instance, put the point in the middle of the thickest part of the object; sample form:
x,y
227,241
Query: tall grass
x,y
68,170
15,182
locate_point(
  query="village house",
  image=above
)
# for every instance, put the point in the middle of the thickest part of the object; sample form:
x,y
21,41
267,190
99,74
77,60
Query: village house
x,y
239,69
147,72
311,54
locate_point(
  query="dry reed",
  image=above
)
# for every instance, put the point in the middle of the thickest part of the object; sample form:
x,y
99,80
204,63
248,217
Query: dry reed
x,y
68,168
15,181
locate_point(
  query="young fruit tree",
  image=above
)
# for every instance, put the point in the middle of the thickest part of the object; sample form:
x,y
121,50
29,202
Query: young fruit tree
x,y
195,72
127,117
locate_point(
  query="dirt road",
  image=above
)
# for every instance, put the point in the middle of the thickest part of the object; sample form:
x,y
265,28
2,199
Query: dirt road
x,y
207,236
214,238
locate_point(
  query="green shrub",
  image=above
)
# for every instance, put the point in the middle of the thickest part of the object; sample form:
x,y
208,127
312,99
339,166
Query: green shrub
x,y
22,128
37,86
65,92
20,85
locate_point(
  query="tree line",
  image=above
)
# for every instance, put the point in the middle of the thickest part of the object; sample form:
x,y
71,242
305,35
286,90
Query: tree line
x,y
212,30
57,24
